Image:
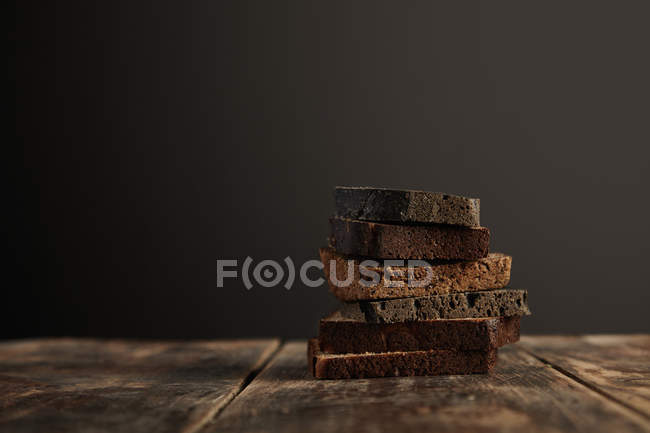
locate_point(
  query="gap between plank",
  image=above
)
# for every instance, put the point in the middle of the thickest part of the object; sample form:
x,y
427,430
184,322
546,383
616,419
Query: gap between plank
x,y
585,383
255,371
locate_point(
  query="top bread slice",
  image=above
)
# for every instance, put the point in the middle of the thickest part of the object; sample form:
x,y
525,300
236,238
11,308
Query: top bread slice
x,y
406,206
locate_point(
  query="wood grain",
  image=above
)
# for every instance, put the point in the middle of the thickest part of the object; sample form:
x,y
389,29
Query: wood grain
x,y
617,365
521,395
100,386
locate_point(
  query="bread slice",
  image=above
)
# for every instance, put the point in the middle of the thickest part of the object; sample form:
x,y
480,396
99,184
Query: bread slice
x,y
491,272
398,241
338,334
488,303
416,363
395,205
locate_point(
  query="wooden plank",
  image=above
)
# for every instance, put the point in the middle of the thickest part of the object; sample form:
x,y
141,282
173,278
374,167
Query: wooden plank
x,y
521,395
89,385
617,365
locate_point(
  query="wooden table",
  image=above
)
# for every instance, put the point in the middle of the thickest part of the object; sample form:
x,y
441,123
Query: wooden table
x,y
592,383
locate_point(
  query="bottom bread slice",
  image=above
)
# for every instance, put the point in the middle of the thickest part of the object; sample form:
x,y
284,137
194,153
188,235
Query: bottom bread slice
x,y
383,364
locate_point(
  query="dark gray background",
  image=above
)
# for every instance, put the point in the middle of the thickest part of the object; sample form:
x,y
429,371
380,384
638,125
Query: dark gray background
x,y
157,137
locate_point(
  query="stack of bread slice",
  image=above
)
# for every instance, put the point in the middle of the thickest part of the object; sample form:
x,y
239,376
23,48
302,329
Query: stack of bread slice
x,y
420,292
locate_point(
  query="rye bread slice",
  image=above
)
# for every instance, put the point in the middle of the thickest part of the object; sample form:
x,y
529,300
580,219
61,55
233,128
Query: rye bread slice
x,y
491,272
415,363
488,303
398,241
406,206
338,334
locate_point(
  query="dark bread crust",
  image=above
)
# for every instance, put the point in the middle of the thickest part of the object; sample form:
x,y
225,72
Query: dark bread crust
x,y
487,303
491,272
396,241
394,205
340,335
415,363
